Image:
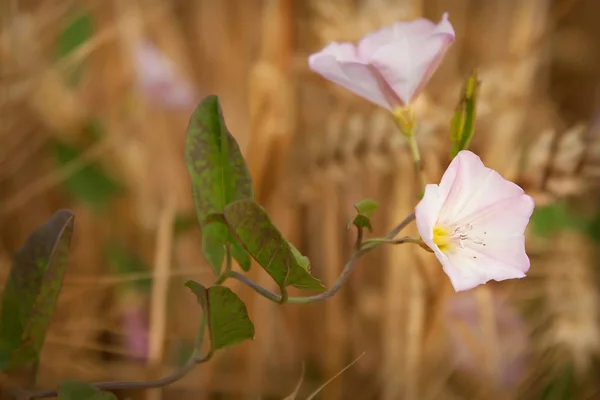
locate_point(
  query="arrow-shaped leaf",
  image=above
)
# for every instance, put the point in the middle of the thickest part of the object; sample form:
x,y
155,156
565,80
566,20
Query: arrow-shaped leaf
x,y
267,246
32,290
219,176
228,320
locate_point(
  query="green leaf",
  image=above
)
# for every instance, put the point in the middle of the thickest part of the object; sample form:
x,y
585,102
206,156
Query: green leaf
x,y
219,176
90,184
361,221
593,228
253,228
76,390
303,261
462,125
242,257
77,31
125,263
366,207
562,387
214,237
32,289
228,320
201,293
183,223
550,219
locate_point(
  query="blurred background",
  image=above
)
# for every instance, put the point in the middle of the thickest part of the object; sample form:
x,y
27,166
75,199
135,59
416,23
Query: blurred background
x,y
95,98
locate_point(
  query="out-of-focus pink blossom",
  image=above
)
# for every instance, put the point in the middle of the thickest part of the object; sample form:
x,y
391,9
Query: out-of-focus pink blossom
x,y
160,81
391,66
471,347
474,221
136,330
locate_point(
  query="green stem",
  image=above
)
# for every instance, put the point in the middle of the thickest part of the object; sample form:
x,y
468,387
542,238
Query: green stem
x,y
406,239
309,299
367,246
137,385
414,150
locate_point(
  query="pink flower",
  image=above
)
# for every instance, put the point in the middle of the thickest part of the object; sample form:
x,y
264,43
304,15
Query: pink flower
x,y
136,331
474,221
470,345
391,66
159,81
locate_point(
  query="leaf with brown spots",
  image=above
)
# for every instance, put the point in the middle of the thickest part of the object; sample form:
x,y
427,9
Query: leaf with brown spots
x,y
219,176
32,289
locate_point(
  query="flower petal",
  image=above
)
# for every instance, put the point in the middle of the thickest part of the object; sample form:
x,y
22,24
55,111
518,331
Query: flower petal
x,y
338,63
408,62
388,34
468,268
426,213
469,187
508,217
508,251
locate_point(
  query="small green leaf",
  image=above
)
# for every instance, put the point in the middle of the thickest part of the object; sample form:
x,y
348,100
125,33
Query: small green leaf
x,y
366,207
228,320
253,228
89,185
77,31
124,263
32,289
219,176
462,125
361,221
76,390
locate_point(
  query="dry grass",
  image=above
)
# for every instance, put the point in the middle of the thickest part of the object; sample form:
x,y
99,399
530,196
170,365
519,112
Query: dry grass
x,y
313,150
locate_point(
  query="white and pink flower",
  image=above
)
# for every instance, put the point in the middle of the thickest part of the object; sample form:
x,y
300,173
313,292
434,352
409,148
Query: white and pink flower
x,y
391,66
474,221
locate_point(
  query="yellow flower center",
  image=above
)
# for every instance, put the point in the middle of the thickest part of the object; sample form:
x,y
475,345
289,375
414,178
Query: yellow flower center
x,y
441,237
449,240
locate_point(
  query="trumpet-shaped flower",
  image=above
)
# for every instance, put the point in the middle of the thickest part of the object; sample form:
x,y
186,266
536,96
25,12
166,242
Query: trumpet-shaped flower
x,y
474,221
391,66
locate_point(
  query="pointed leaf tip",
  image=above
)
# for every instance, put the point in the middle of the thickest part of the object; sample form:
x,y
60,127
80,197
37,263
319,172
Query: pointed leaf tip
x,y
255,231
